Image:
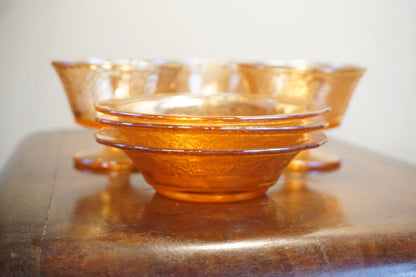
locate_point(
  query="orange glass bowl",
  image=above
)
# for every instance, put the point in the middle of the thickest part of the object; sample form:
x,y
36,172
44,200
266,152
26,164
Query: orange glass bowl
x,y
329,84
210,138
89,81
198,148
235,128
209,175
219,109
86,82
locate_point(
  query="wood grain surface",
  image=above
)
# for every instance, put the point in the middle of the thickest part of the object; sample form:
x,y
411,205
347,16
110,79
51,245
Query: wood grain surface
x,y
359,220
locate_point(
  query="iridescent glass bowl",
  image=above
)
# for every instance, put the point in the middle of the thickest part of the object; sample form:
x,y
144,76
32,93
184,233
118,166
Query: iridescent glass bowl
x,y
331,85
184,121
228,107
218,148
86,82
89,81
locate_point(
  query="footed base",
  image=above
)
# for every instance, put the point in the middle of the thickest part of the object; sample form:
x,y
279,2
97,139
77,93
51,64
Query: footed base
x,y
210,197
314,160
103,159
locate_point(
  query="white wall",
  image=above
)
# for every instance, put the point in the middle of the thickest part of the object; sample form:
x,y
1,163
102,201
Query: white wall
x,y
380,35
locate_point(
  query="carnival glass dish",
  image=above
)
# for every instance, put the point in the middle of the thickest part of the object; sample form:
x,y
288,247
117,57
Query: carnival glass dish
x,y
210,123
217,109
217,148
210,138
201,175
282,133
86,82
329,84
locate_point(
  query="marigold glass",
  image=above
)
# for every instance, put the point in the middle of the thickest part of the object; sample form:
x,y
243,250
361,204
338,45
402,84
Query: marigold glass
x,y
200,175
89,81
329,84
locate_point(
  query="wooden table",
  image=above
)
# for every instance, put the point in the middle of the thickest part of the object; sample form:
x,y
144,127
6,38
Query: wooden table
x,y
359,220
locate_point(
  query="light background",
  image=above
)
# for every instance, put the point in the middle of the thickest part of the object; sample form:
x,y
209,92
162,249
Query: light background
x,y
380,35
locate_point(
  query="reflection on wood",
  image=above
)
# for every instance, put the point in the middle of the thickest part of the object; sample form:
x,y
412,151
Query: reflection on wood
x,y
57,221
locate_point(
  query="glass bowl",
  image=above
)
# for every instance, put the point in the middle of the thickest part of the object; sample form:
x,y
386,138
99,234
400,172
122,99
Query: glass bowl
x,y
186,137
88,81
202,175
204,123
92,80
329,84
219,109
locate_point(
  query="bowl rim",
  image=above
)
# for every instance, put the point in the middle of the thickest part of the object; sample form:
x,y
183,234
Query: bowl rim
x,y
139,63
102,64
109,107
102,136
256,128
305,65
142,63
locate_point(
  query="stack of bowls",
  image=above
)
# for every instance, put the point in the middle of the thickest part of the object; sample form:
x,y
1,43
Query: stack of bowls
x,y
220,147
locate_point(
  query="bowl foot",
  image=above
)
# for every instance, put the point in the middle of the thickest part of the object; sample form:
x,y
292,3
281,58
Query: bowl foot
x,y
210,197
103,159
311,160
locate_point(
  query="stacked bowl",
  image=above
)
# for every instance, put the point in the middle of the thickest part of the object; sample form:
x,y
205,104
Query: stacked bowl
x,y
215,147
